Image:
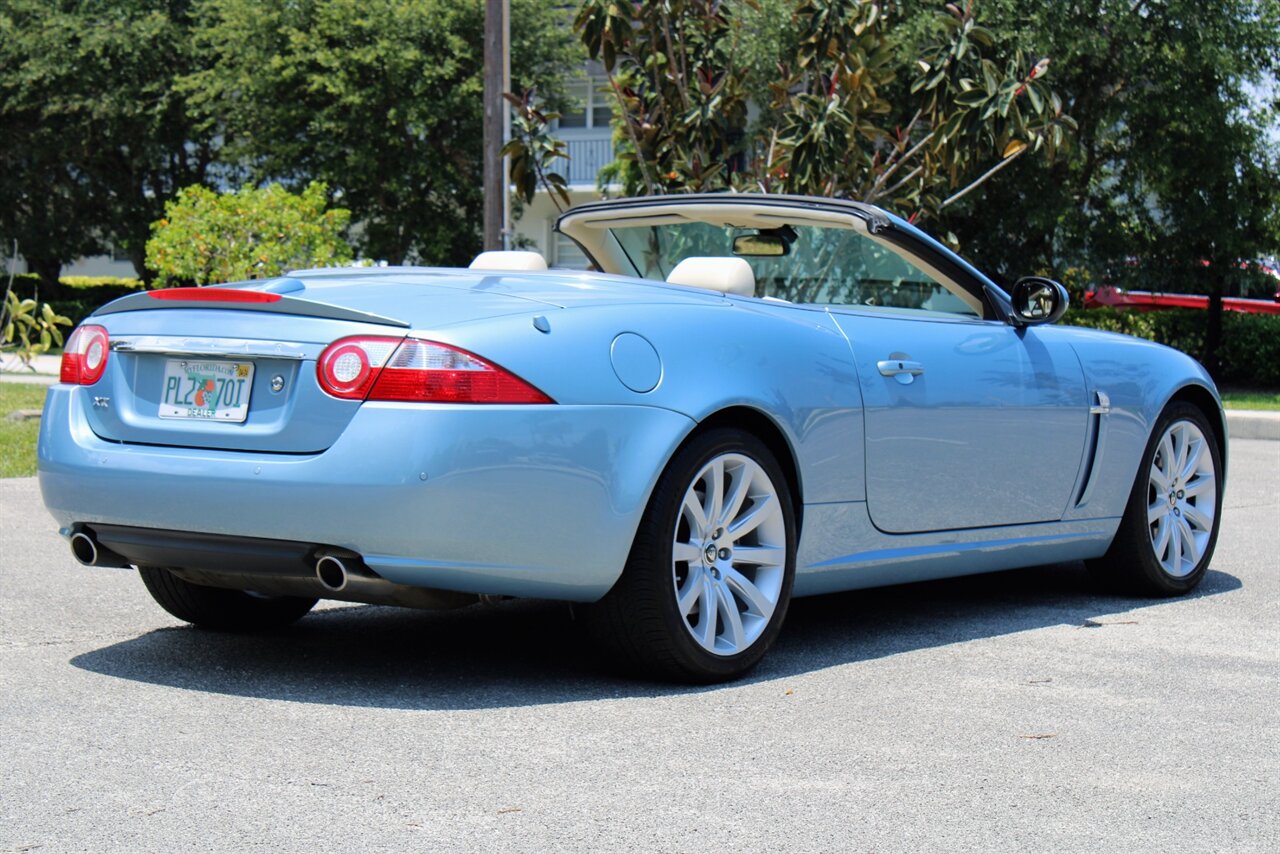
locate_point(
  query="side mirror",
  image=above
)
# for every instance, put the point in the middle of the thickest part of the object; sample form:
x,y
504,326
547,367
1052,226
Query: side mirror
x,y
1038,300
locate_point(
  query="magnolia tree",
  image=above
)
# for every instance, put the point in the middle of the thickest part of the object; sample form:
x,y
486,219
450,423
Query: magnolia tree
x,y
856,109
253,233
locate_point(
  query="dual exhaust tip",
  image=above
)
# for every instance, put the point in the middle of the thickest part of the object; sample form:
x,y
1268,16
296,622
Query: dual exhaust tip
x,y
89,552
334,572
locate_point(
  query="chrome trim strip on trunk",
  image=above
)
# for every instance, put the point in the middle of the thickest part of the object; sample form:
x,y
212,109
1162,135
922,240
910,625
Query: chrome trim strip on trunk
x,y
229,347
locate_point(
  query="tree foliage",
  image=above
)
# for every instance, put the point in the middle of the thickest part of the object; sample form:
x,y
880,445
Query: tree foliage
x,y
836,118
93,135
381,99
1173,180
255,233
534,150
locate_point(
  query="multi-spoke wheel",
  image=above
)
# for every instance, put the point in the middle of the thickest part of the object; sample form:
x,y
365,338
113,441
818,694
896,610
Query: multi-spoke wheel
x,y
729,557
1170,525
1182,494
707,584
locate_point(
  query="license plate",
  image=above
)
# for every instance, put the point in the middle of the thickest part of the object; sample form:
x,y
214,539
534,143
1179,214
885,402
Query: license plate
x,y
211,391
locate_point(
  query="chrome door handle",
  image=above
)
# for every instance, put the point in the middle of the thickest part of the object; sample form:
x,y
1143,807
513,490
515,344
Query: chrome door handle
x,y
894,367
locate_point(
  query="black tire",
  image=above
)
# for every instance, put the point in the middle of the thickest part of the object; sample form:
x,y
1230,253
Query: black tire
x,y
640,622
1131,565
220,608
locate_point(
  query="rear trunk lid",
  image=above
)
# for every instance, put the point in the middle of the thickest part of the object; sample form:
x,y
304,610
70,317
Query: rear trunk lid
x,y
194,372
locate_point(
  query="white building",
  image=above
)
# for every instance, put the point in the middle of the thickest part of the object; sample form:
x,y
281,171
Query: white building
x,y
590,142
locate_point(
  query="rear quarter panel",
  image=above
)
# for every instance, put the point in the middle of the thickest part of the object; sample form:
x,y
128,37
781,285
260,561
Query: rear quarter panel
x,y
789,363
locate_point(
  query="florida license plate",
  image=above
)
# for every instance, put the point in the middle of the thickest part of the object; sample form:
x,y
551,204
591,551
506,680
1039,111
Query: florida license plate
x,y
211,391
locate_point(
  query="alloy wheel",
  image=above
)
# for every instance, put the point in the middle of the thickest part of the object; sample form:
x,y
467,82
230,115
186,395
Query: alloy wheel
x,y
1182,495
729,554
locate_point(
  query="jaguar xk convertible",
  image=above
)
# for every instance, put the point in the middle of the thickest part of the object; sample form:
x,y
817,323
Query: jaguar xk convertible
x,y
754,398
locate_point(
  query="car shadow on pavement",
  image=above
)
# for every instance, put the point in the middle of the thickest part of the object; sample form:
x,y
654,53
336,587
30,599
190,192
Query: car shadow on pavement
x,y
522,653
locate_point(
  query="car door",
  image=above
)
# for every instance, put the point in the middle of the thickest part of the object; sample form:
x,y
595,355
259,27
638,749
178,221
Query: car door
x,y
968,422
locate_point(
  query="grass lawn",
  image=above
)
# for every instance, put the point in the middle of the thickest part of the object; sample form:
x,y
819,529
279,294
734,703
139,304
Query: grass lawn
x,y
18,438
1251,399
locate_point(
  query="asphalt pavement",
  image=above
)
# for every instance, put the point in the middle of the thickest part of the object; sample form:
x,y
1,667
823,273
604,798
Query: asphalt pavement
x,y
1016,711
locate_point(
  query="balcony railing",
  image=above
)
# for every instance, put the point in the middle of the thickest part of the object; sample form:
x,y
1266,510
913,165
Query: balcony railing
x,y
586,158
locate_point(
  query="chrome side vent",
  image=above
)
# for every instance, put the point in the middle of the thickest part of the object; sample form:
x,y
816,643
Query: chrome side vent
x,y
1098,411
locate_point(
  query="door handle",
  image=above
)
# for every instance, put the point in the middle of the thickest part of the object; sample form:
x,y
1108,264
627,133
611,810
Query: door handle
x,y
895,367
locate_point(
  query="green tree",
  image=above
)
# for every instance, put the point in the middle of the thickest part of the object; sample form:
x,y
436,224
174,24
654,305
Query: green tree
x,y
253,233
381,99
93,136
1172,179
911,120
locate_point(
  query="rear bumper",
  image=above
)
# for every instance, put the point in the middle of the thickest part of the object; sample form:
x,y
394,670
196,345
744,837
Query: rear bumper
x,y
538,501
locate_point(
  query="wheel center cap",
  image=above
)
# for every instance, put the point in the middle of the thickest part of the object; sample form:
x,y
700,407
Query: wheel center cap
x,y
709,554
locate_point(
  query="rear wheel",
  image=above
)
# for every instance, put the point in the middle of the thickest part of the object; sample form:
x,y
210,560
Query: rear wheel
x,y
1170,526
708,581
219,608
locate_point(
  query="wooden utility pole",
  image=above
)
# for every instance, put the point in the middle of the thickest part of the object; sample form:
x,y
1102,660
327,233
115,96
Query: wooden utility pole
x,y
497,80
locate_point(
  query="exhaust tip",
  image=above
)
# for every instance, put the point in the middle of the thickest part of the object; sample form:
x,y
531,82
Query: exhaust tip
x,y
84,549
332,573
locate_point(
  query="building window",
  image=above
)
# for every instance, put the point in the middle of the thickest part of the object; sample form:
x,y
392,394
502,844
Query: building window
x,y
592,108
568,255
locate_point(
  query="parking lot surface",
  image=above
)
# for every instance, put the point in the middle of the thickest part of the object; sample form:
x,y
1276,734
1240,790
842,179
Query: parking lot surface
x,y
1017,711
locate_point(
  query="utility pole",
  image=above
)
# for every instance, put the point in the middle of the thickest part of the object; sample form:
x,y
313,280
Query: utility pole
x,y
497,80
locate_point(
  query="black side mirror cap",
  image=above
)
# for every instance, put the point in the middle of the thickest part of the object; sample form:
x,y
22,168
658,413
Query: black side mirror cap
x,y
1037,300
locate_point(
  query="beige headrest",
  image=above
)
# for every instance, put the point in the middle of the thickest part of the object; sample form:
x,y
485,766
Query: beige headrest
x,y
509,259
726,275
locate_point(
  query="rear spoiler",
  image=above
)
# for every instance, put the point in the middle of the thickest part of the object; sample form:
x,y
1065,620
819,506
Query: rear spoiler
x,y
261,296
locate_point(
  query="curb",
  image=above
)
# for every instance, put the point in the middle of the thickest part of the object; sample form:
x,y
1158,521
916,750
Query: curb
x,y
29,379
1253,424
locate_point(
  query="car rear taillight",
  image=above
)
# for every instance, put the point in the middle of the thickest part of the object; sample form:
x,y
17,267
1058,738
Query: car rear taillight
x,y
430,372
348,366
84,360
375,368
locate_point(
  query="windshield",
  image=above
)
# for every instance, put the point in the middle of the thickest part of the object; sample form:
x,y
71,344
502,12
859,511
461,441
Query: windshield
x,y
822,264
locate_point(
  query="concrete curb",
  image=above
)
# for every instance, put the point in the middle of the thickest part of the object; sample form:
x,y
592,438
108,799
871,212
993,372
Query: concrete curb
x,y
29,379
1253,424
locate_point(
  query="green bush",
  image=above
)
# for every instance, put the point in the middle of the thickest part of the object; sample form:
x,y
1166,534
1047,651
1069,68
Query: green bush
x,y
75,297
252,233
82,282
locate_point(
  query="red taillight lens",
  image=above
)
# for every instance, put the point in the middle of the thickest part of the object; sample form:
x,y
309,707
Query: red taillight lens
x,y
84,360
429,372
213,295
348,366
374,368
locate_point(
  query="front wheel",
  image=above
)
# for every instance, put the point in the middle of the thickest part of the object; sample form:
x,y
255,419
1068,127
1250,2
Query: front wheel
x,y
708,580
1170,525
219,608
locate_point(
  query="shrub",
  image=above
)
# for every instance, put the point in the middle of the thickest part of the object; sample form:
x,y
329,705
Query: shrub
x,y
75,297
29,328
252,233
80,283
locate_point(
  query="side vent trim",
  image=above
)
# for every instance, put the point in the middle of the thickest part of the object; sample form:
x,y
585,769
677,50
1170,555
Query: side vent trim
x,y
1098,411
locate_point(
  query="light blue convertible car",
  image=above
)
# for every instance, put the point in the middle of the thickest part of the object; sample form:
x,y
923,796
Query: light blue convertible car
x,y
758,397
